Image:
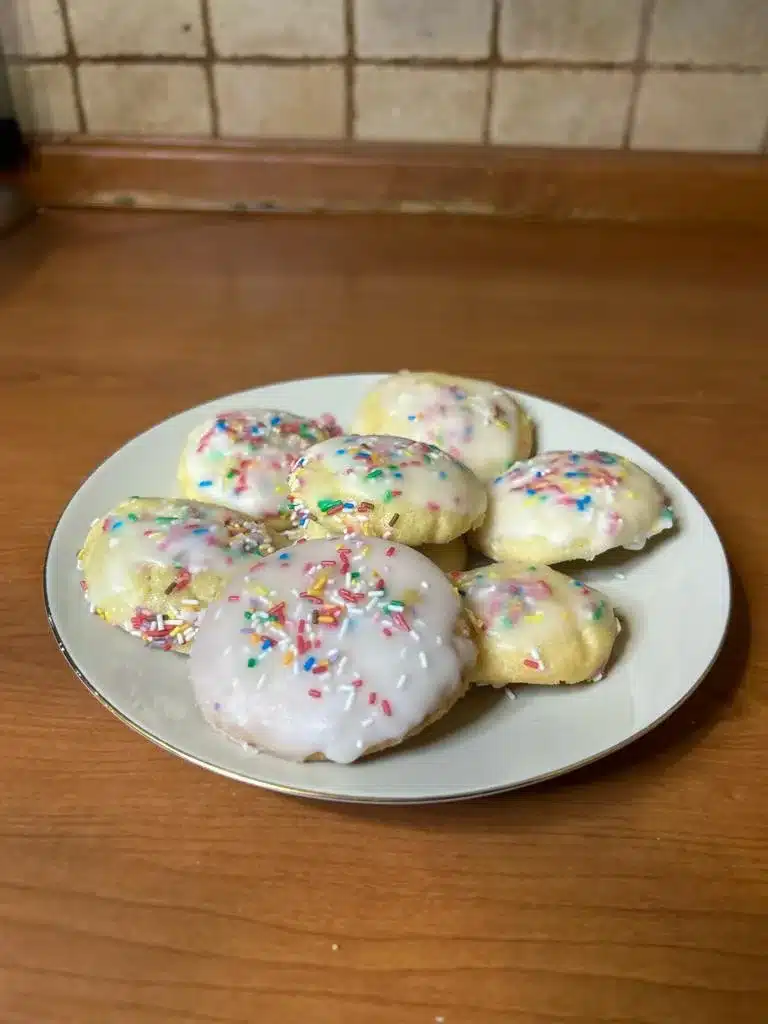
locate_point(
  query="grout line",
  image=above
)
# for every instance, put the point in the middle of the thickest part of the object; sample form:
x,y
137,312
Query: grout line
x,y
350,104
71,60
493,63
213,98
426,63
639,67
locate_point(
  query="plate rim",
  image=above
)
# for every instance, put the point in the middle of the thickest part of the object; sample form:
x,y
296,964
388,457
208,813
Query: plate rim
x,y
327,796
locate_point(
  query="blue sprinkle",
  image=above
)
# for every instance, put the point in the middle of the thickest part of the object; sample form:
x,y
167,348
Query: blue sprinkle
x,y
573,457
266,644
114,526
530,490
217,706
582,503
349,504
284,556
339,451
411,418
275,420
205,483
200,529
398,476
308,664
443,475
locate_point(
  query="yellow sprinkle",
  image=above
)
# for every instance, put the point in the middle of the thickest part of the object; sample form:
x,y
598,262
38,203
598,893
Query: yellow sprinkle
x,y
534,617
288,657
410,596
261,590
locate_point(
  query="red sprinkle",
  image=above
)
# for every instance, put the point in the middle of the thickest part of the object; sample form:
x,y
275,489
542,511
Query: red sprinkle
x,y
389,552
328,563
350,597
530,663
386,631
386,707
233,598
302,645
399,620
319,670
372,697
315,693
357,683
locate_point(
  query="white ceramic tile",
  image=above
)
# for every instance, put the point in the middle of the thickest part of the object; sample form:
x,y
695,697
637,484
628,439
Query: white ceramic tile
x,y
288,102
34,28
710,32
110,28
423,28
44,97
560,107
145,99
278,28
417,104
699,110
570,30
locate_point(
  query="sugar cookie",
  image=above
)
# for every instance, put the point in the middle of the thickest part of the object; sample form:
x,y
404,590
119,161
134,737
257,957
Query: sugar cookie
x,y
450,557
242,458
474,421
153,564
535,625
563,505
332,649
389,487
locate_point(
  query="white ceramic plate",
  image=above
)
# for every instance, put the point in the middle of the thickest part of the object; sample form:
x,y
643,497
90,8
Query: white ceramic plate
x,y
673,597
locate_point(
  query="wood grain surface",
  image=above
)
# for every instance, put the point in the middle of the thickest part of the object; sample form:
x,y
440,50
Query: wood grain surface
x,y
137,889
521,183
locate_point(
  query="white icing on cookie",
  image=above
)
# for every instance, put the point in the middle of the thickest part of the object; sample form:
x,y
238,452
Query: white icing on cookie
x,y
572,505
363,471
242,458
535,624
185,538
476,422
334,647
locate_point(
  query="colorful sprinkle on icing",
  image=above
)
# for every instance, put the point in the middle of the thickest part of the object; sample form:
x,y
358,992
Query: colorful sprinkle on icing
x,y
242,458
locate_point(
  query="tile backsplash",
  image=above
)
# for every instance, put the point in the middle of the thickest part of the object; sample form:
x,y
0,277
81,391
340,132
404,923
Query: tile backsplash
x,y
645,74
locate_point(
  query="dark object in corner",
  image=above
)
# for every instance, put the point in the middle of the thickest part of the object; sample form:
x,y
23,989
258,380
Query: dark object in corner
x,y
14,151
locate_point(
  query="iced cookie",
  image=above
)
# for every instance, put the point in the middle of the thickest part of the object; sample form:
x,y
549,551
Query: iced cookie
x,y
450,557
388,487
535,625
153,564
474,421
242,459
332,650
564,505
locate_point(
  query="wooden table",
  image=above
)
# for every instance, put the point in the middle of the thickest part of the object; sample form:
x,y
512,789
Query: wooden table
x,y
137,889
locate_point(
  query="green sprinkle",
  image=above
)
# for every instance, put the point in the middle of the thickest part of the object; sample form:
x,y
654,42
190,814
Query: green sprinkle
x,y
133,517
251,663
248,615
388,496
354,575
598,612
374,473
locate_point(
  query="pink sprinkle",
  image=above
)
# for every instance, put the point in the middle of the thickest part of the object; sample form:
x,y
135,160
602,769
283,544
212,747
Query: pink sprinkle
x,y
372,697
302,625
399,620
315,693
389,552
233,598
386,707
433,506
386,631
328,563
357,683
